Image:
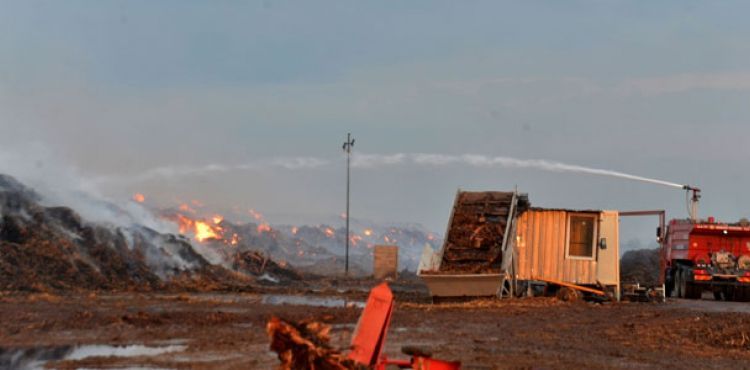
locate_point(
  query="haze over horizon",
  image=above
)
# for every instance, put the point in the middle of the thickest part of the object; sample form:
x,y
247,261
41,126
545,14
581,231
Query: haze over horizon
x,y
116,90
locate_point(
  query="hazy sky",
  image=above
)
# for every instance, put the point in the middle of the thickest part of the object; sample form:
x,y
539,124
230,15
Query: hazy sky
x,y
117,89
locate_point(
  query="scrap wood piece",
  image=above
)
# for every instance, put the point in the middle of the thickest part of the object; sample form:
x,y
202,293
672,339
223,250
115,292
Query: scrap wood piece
x,y
305,345
572,286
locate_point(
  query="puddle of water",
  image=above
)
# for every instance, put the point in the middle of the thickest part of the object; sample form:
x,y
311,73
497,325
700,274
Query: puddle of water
x,y
135,350
298,300
216,358
269,278
36,358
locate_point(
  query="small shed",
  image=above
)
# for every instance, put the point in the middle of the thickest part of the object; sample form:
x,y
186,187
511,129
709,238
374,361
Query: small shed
x,y
385,261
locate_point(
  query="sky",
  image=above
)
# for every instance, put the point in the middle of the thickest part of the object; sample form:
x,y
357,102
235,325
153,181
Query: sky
x,y
247,103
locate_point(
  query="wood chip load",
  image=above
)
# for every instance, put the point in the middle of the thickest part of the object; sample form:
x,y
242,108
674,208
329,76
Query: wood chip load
x,y
474,240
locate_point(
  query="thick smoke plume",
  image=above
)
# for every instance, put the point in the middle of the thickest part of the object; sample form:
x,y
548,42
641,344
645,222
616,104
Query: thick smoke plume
x,y
63,185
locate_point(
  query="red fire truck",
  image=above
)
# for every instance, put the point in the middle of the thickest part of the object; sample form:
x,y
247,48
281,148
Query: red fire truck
x,y
706,255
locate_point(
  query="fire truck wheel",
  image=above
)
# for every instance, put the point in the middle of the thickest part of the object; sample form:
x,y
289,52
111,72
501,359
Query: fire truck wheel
x,y
679,283
568,295
744,294
739,294
730,294
693,291
669,286
717,295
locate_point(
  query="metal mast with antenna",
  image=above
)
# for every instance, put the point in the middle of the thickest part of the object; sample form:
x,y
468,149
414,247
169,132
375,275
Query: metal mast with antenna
x,y
693,201
348,149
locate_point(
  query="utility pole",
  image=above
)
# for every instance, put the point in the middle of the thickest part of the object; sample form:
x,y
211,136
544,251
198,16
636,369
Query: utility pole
x,y
348,149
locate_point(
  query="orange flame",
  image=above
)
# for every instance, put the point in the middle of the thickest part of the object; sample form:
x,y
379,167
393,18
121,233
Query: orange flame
x,y
184,223
140,198
264,227
217,219
294,230
256,215
329,232
204,231
368,232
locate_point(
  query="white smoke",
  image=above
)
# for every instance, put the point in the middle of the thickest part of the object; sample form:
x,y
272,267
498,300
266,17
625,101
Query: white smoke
x,y
177,171
60,184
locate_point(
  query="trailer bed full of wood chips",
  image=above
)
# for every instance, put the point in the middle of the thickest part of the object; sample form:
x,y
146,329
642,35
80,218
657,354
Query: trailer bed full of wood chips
x,y
471,260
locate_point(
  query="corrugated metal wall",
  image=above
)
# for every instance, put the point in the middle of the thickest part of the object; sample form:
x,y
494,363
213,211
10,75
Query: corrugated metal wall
x,y
541,237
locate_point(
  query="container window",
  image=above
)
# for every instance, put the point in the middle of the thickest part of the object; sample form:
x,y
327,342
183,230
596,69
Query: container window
x,y
581,236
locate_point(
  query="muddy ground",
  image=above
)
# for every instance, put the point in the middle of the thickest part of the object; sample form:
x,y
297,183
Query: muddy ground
x,y
227,331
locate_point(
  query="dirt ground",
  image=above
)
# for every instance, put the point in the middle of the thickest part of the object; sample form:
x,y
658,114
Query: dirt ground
x,y
227,331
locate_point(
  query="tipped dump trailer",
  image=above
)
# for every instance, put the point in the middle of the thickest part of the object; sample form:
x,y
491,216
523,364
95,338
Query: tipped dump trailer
x,y
476,245
496,243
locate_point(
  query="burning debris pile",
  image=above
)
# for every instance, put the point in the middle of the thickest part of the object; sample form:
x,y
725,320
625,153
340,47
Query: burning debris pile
x,y
50,247
476,231
44,248
257,264
314,249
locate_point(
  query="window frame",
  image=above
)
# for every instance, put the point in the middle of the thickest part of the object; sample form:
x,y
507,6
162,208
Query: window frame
x,y
595,222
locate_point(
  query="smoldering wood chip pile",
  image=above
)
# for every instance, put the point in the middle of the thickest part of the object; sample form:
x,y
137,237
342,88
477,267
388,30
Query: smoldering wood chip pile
x,y
257,264
54,249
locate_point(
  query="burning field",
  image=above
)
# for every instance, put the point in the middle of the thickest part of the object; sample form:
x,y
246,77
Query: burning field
x,y
53,248
76,293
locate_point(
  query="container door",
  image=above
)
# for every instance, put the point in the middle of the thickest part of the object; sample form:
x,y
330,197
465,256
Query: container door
x,y
608,249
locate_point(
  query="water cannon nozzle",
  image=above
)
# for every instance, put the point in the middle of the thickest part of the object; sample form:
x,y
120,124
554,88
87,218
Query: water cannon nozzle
x,y
691,188
696,191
